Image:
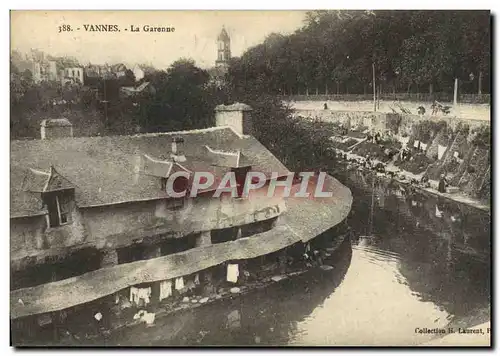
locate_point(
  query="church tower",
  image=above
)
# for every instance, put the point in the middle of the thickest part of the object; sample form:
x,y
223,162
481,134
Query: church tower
x,y
223,50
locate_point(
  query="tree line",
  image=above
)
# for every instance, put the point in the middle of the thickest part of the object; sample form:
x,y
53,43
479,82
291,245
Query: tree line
x,y
333,51
336,52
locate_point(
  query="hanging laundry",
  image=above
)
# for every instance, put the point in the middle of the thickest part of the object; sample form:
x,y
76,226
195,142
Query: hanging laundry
x,y
439,213
179,283
133,294
423,146
148,318
416,143
232,273
441,151
197,279
455,154
413,203
165,289
140,294
404,142
234,320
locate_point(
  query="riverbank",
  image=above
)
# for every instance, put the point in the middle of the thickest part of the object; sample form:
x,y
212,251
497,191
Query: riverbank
x,y
391,171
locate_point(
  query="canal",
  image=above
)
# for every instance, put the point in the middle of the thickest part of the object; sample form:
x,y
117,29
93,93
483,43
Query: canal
x,y
413,262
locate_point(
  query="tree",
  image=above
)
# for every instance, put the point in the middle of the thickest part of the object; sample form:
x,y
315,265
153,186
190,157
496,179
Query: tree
x,y
181,101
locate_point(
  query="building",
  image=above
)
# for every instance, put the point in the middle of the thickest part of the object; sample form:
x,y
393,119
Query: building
x,y
91,222
98,71
138,72
72,75
119,70
145,87
218,73
52,71
223,50
40,68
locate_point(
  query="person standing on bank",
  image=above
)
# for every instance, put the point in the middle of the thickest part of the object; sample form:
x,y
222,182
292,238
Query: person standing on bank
x,y
442,184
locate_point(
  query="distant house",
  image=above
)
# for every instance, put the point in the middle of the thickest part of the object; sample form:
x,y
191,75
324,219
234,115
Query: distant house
x,y
98,71
72,75
145,87
119,70
138,72
52,70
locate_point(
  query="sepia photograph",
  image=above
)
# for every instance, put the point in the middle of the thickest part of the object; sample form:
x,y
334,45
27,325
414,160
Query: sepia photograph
x,y
233,178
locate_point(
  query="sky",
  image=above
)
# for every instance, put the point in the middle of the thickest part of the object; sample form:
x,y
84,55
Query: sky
x,y
194,37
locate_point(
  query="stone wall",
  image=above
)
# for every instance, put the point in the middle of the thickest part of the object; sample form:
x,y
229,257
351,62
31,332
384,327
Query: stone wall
x,y
380,120
421,97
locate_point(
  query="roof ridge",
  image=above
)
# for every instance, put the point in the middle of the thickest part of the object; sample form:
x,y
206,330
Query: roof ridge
x,y
221,152
148,134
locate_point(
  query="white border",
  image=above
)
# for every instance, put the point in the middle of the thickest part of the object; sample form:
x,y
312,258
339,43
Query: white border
x,y
187,4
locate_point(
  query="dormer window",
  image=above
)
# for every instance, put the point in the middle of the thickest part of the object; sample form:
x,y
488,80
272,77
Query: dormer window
x,y
59,205
241,175
56,192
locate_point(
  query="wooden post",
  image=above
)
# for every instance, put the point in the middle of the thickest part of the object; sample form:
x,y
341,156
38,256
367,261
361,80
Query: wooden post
x,y
479,91
337,88
379,94
455,92
307,91
317,91
326,89
374,89
204,239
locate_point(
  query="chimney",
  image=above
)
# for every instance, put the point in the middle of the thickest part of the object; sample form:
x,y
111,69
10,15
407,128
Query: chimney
x,y
236,116
178,149
55,128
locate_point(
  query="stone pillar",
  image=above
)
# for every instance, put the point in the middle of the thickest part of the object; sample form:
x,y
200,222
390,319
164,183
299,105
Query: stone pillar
x,y
149,253
204,239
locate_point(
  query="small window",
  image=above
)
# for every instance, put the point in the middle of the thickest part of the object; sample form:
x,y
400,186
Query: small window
x,y
240,174
59,206
73,72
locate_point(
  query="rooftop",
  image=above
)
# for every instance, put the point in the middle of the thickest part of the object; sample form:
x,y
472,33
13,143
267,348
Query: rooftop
x,y
56,123
111,169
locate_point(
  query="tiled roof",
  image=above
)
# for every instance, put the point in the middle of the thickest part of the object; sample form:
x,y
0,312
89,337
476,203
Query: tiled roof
x,y
223,36
110,170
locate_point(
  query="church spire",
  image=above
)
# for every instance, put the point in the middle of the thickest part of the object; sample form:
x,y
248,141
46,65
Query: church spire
x,y
223,49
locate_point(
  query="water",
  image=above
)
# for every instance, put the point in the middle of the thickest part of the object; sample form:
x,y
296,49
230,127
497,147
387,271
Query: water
x,y
407,268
